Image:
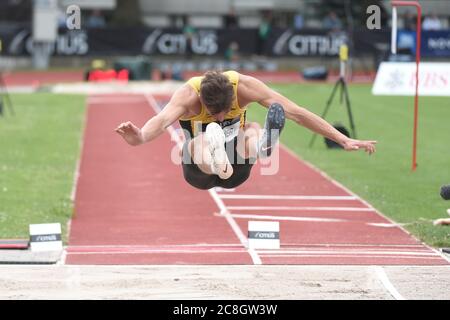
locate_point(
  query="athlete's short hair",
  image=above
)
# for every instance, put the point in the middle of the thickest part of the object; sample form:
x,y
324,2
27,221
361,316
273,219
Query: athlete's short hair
x,y
216,92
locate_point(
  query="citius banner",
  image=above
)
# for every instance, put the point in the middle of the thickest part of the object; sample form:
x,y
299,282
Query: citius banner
x,y
304,43
399,78
132,41
17,41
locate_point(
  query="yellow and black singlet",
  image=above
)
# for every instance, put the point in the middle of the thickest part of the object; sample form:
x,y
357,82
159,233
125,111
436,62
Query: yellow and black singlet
x,y
233,120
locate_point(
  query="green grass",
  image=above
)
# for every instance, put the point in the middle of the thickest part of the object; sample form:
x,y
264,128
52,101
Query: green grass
x,y
39,150
385,178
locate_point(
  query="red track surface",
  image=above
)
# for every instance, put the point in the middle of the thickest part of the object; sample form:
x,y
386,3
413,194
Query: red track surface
x,y
37,78
296,76
134,207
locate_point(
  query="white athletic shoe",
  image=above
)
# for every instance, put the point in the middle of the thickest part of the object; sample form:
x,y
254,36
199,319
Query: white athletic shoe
x,y
220,164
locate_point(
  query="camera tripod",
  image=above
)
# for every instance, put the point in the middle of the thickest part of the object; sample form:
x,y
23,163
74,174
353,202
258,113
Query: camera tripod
x,y
342,85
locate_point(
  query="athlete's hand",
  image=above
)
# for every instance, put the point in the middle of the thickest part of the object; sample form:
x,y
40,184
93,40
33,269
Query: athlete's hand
x,y
130,133
353,144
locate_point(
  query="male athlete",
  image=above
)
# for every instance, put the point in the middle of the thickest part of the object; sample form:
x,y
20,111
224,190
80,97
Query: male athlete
x,y
220,147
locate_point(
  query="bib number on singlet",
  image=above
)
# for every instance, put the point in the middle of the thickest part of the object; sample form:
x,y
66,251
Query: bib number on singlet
x,y
231,131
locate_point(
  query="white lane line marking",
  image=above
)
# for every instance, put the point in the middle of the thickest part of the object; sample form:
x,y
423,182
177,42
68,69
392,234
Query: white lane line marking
x,y
157,252
114,250
243,251
173,134
289,208
195,245
381,274
286,244
337,255
287,247
76,177
114,100
266,217
285,197
353,252
237,230
62,260
354,245
383,225
350,246
223,209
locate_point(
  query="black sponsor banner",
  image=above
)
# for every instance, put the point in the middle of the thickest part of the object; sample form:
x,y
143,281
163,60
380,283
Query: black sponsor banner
x,y
205,42
287,42
365,41
18,42
132,41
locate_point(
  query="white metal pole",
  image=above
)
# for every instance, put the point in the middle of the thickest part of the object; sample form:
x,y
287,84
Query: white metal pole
x,y
394,31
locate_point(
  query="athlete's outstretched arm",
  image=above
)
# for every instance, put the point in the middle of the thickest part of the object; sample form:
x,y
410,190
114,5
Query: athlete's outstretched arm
x,y
156,125
255,90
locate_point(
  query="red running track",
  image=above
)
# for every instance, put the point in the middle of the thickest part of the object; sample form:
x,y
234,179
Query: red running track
x,y
37,78
134,207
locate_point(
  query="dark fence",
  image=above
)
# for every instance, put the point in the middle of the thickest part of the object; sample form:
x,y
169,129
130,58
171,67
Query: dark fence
x,y
17,41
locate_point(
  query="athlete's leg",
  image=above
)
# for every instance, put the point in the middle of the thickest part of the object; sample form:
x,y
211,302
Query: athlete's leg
x,y
247,142
207,150
273,126
199,153
256,143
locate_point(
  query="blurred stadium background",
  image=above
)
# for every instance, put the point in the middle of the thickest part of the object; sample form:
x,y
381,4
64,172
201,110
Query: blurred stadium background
x,y
248,35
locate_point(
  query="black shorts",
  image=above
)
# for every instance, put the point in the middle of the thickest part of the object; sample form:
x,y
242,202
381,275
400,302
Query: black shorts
x,y
200,180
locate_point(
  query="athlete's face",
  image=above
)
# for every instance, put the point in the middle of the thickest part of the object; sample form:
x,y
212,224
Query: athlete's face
x,y
220,116
212,111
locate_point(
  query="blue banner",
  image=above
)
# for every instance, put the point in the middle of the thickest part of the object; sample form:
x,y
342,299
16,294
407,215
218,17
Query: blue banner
x,y
433,43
